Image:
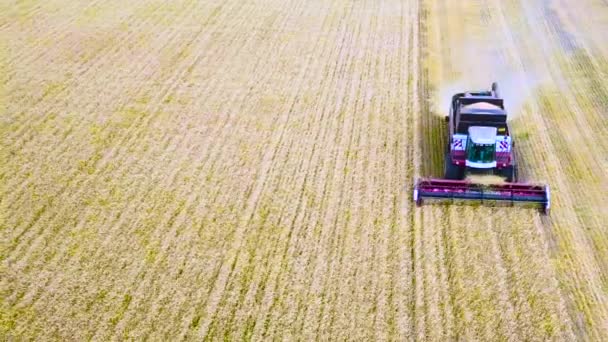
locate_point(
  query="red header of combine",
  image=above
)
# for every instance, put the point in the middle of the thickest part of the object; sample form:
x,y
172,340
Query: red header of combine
x,y
429,188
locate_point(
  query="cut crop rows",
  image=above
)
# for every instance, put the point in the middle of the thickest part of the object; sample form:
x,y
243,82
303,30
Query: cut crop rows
x,y
242,170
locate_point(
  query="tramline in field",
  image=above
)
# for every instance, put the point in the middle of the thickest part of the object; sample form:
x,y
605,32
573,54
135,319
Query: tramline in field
x,y
480,142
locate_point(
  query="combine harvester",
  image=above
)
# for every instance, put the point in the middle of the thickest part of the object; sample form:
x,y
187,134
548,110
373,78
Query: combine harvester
x,y
480,142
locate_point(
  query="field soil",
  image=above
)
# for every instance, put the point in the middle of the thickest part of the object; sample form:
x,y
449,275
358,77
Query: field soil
x,y
243,170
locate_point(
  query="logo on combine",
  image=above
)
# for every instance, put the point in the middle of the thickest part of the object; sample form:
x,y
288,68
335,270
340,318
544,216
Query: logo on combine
x,y
457,145
504,144
459,142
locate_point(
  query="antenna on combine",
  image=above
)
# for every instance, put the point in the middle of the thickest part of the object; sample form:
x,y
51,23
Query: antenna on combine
x,y
495,90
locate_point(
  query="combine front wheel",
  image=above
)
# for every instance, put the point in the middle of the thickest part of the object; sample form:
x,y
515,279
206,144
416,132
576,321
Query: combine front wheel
x,y
452,171
509,173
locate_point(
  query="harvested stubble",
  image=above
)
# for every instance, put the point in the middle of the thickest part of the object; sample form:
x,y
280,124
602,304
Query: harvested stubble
x,y
226,170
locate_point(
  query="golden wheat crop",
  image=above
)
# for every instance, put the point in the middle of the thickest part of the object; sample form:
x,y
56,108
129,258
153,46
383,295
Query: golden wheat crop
x,y
242,170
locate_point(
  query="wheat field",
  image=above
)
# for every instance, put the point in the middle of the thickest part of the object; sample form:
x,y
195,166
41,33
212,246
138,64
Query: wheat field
x,y
242,170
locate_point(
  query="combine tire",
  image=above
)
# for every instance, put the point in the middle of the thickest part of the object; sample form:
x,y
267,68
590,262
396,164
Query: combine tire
x,y
509,173
452,171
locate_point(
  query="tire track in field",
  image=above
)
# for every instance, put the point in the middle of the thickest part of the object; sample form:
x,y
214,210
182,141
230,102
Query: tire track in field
x,y
41,13
427,306
330,184
136,137
267,165
170,244
406,157
58,152
414,217
176,219
282,158
236,270
287,216
93,107
384,175
319,178
419,112
81,71
114,151
43,120
296,237
312,300
352,138
100,63
364,174
67,185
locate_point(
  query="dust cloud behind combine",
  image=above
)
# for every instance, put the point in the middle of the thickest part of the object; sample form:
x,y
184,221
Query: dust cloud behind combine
x,y
479,65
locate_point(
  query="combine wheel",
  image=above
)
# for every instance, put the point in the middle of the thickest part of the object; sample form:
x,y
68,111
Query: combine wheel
x,y
452,171
509,173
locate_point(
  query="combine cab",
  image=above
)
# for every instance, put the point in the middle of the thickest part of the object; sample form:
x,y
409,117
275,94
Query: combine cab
x,y
480,143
